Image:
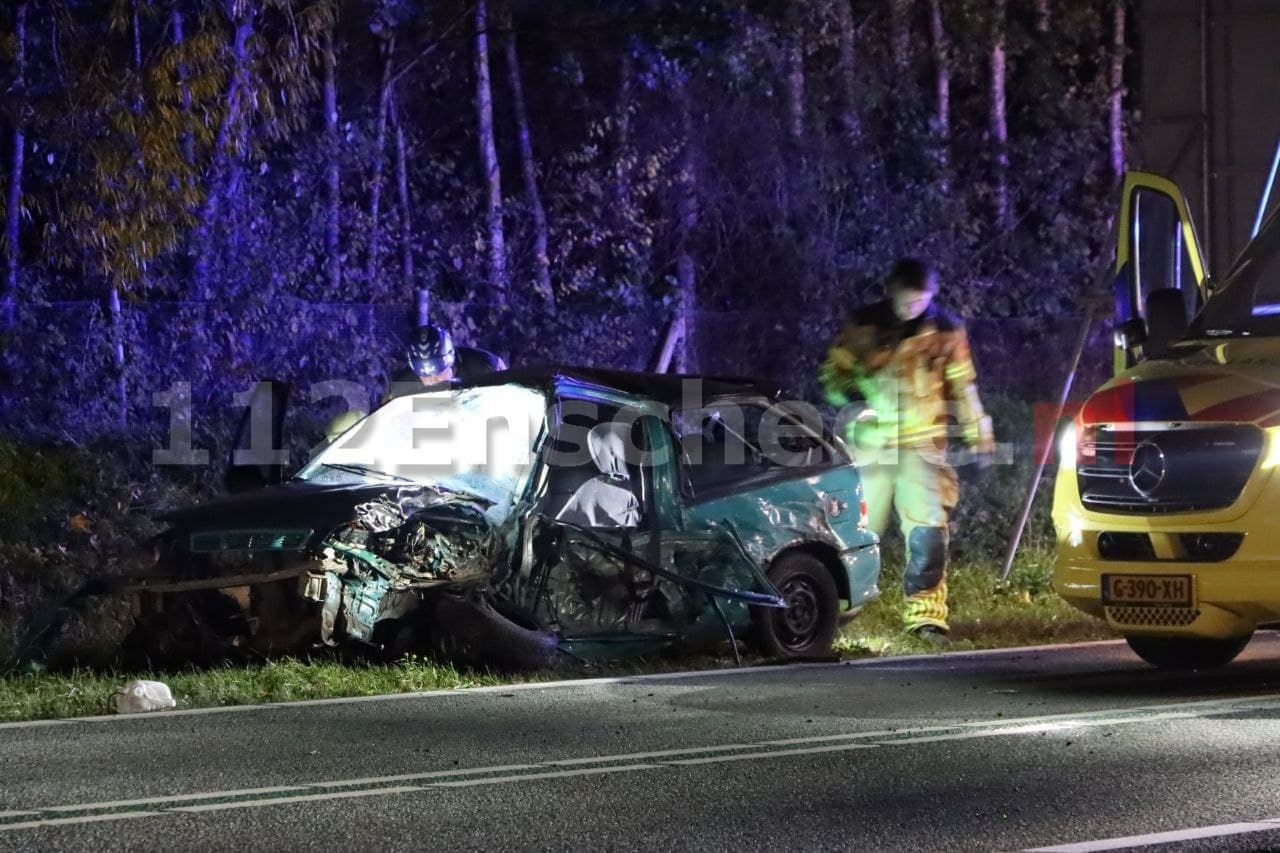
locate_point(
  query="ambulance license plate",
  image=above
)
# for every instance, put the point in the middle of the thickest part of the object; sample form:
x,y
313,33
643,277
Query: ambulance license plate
x,y
1156,590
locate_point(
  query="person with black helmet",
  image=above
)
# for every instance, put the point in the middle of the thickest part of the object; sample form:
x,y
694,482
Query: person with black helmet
x,y
433,359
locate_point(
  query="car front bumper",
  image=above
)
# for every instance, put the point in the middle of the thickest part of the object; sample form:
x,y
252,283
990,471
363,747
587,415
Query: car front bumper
x,y
1230,597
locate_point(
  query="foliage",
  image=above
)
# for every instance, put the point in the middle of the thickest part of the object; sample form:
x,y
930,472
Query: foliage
x,y
189,174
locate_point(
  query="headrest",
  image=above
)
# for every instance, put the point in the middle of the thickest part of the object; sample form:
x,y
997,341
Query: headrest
x,y
607,443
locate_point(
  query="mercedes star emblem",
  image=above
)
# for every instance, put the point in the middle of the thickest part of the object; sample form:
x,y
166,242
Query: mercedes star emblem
x,y
1147,469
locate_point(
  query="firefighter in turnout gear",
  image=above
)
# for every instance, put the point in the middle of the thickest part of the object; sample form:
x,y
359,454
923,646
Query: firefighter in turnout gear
x,y
909,360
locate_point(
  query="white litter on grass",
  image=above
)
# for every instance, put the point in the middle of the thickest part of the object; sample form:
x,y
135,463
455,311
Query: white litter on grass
x,y
140,696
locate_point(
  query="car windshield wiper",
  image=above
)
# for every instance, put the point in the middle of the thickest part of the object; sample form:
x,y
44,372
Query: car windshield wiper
x,y
366,472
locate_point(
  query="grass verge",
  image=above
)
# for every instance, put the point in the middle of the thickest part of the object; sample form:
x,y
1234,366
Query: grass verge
x,y
985,614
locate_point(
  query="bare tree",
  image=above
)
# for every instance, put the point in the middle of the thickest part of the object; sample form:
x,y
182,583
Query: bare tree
x,y
687,223
188,137
1117,87
849,118
379,157
622,123
999,122
402,186
13,201
489,157
900,32
795,86
942,81
332,177
529,167
232,120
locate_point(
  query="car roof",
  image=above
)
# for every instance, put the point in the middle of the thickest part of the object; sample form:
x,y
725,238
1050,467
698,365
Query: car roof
x,y
664,387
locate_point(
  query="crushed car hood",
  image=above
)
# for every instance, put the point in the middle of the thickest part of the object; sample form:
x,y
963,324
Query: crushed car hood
x,y
1235,381
295,515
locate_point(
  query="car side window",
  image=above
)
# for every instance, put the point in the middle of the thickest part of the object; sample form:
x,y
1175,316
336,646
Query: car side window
x,y
730,441
593,476
719,445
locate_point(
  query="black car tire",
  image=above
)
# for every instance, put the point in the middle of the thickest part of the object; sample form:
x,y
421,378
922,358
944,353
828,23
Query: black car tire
x,y
469,629
1187,652
807,626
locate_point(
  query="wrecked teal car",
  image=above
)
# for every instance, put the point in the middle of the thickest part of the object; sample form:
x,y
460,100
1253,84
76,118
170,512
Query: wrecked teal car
x,y
536,516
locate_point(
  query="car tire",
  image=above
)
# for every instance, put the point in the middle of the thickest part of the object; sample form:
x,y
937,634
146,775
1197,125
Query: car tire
x,y
469,629
1187,652
807,626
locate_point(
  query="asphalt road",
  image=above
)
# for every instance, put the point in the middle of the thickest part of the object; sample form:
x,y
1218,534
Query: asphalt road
x,y
987,752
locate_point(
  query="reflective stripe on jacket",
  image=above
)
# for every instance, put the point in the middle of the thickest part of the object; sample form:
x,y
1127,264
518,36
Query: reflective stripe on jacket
x,y
913,374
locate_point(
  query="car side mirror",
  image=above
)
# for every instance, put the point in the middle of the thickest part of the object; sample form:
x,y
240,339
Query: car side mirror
x,y
1131,334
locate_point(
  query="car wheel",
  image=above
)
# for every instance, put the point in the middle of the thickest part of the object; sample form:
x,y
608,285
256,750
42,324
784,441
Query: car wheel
x,y
469,629
806,627
1187,652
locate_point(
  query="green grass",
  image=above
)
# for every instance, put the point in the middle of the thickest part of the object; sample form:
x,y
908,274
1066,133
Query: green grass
x,y
985,614
82,693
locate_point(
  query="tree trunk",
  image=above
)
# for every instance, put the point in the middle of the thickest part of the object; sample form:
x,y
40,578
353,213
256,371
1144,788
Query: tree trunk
x,y
942,87
849,119
222,156
117,352
379,145
402,185
529,168
622,117
1042,16
13,201
795,89
1117,88
489,158
999,126
333,189
139,261
188,137
942,68
900,32
687,216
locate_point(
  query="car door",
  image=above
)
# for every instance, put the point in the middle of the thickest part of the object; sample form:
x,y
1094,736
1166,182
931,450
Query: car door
x,y
741,474
609,574
590,531
1160,279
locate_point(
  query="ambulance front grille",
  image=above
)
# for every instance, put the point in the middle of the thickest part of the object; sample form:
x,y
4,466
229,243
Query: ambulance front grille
x,y
1189,469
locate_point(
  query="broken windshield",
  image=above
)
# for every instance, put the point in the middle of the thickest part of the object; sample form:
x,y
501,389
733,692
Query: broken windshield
x,y
478,441
1248,304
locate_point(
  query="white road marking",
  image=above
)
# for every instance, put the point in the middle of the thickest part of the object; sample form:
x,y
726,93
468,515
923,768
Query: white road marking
x,y
664,753
305,798
67,821
728,672
173,798
31,724
627,762
1172,837
432,774
557,774
16,814
843,747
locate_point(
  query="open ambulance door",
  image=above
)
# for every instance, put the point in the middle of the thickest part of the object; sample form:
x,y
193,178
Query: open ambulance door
x,y
1160,280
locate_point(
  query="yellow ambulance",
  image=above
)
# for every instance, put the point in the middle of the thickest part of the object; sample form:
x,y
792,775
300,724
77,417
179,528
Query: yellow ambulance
x,y
1166,508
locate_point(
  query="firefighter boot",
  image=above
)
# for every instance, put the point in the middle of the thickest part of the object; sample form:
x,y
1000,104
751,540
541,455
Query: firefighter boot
x,y
925,580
